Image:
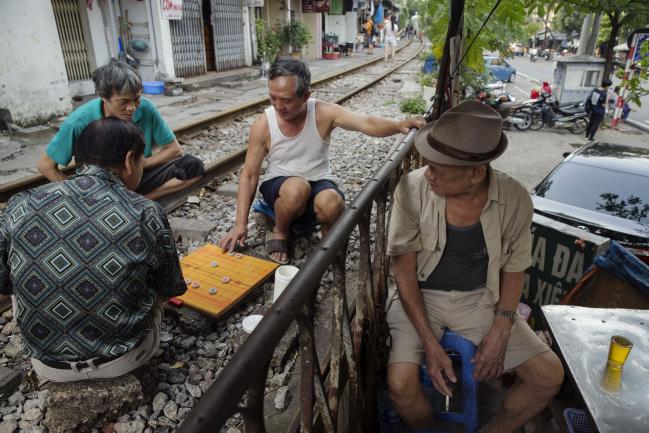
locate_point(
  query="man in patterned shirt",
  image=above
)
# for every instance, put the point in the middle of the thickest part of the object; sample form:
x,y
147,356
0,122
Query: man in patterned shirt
x,y
90,262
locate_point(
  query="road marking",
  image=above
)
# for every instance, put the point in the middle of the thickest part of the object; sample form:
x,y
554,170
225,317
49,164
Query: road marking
x,y
520,90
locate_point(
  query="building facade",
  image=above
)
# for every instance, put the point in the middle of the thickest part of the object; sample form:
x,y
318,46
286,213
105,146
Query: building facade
x,y
51,47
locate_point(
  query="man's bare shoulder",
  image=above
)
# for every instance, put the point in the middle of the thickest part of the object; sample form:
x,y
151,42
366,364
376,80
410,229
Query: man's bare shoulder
x,y
260,131
324,108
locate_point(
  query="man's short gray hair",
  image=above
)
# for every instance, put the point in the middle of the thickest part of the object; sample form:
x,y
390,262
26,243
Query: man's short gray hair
x,y
116,77
288,66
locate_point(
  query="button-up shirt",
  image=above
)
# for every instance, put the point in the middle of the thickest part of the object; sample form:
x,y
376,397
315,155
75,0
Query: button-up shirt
x,y
418,224
86,259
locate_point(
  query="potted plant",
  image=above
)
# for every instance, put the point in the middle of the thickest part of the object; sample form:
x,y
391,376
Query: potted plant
x,y
296,35
268,45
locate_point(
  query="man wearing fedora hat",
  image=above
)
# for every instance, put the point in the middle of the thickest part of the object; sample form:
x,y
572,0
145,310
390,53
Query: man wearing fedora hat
x,y
460,242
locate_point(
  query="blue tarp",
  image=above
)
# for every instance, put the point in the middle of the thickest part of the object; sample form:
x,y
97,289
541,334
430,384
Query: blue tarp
x,y
622,263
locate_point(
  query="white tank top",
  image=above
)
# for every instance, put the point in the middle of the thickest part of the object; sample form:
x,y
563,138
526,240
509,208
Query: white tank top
x,y
306,155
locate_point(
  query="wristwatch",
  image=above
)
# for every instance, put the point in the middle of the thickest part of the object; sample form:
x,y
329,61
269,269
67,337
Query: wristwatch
x,y
511,315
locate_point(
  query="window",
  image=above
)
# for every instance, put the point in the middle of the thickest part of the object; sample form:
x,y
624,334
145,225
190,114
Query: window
x,y
592,79
574,78
601,190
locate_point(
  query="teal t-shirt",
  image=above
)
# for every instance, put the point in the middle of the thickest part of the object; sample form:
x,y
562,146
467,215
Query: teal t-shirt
x,y
146,117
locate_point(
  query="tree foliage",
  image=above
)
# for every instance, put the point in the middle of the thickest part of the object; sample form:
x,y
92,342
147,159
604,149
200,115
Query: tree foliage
x,y
619,15
506,25
568,23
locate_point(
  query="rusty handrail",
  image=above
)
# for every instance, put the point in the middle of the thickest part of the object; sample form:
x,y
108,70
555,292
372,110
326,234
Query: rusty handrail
x,y
250,362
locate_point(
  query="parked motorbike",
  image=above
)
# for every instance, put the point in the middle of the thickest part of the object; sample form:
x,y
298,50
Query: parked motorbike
x,y
545,110
573,117
508,109
532,57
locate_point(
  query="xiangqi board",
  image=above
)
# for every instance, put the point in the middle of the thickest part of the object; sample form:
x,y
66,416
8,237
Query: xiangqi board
x,y
217,281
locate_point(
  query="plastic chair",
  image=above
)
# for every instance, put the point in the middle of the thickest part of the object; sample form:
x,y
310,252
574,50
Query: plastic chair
x,y
577,421
462,350
262,207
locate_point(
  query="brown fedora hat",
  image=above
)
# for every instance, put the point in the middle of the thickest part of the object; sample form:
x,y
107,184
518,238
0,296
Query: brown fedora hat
x,y
470,133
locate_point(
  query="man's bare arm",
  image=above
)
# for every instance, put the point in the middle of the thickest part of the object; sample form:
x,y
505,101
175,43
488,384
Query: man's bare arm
x,y
50,169
369,125
167,153
405,274
259,135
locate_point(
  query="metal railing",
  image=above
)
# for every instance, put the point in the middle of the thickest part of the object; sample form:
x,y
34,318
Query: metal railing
x,y
357,349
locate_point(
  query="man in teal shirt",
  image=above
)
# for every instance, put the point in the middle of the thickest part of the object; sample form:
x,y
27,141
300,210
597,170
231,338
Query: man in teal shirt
x,y
166,168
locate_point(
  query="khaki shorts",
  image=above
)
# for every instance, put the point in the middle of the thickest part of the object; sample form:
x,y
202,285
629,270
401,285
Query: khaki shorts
x,y
129,361
465,313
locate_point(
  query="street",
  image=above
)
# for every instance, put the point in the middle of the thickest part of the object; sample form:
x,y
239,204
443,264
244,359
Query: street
x,y
542,70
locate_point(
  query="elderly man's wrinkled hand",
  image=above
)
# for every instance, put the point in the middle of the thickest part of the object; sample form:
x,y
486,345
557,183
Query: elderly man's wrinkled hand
x,y
489,360
413,122
440,368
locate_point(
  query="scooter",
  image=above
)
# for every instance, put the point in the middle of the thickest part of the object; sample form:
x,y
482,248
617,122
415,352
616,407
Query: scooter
x,y
573,118
532,57
506,106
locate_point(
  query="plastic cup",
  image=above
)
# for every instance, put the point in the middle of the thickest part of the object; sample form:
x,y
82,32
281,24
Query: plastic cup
x,y
618,352
283,275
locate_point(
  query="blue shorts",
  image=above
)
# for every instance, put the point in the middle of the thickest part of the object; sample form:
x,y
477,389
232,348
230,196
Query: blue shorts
x,y
270,191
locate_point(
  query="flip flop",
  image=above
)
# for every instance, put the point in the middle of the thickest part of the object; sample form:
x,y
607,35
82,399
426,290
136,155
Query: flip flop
x,y
276,246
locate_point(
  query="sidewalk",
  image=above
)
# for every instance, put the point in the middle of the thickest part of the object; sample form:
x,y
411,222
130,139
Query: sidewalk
x,y
217,92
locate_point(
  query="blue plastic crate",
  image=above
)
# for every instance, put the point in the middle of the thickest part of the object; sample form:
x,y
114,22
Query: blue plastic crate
x,y
577,421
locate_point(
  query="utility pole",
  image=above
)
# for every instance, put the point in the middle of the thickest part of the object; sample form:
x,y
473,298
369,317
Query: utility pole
x,y
592,41
443,77
584,37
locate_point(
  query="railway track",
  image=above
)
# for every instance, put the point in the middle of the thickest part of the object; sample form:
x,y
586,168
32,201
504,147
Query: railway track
x,y
233,159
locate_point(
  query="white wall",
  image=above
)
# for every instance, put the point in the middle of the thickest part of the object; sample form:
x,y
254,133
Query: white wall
x,y
313,50
248,29
165,54
33,81
336,24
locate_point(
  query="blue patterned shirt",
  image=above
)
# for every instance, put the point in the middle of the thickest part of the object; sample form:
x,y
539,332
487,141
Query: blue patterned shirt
x,y
86,259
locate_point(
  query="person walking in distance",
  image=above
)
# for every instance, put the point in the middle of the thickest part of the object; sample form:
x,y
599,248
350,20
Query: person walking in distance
x,y
390,38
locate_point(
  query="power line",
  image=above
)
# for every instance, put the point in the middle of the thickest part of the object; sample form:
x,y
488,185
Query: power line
x,y
484,23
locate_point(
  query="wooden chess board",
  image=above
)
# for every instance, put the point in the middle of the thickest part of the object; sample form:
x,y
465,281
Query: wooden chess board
x,y
209,268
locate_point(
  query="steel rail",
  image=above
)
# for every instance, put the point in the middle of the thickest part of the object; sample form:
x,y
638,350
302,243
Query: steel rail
x,y
10,188
221,400
236,158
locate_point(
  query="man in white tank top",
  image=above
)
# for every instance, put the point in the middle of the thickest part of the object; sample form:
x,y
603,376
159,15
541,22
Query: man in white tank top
x,y
293,136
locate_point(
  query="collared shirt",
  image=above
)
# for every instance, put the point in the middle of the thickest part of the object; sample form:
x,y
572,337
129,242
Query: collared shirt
x,y
155,130
418,224
86,259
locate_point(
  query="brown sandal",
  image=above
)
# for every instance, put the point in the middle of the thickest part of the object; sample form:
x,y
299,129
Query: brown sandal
x,y
276,246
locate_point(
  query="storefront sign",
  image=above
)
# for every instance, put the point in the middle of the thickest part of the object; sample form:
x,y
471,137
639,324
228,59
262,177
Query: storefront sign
x,y
253,3
316,5
172,9
558,263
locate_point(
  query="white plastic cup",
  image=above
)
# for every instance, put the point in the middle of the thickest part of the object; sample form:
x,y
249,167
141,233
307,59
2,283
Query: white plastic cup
x,y
283,275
